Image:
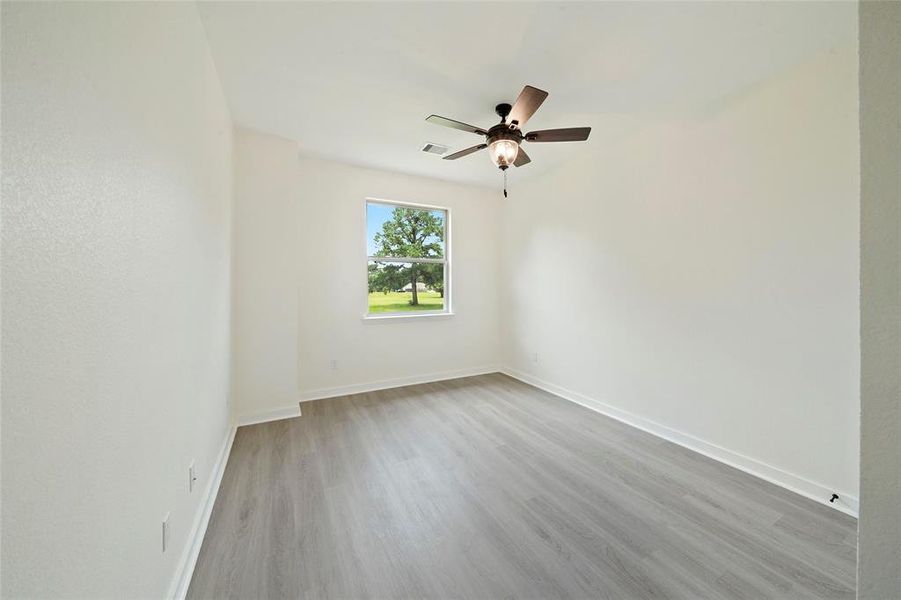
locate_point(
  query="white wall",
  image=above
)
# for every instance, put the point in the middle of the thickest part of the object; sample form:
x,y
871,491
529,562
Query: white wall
x,y
703,277
265,250
879,543
333,283
318,270
116,217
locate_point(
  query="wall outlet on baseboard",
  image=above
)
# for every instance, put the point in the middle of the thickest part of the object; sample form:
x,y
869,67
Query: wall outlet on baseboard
x,y
333,364
165,538
534,357
192,476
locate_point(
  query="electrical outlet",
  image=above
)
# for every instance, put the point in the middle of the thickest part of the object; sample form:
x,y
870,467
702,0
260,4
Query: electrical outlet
x,y
192,476
333,364
534,357
165,531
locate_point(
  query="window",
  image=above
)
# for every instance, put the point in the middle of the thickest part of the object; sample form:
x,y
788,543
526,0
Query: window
x,y
406,247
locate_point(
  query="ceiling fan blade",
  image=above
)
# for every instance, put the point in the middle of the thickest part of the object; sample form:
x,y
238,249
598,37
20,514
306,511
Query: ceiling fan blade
x,y
466,152
530,98
522,159
455,124
572,134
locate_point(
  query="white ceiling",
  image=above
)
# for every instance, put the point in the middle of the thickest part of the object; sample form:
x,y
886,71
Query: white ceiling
x,y
355,81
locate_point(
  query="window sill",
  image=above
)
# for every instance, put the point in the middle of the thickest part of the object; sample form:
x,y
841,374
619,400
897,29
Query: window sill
x,y
406,317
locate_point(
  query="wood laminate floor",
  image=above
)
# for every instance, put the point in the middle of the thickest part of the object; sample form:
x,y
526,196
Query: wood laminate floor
x,y
485,487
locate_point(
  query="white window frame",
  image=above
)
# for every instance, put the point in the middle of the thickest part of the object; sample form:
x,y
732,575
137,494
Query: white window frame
x,y
418,314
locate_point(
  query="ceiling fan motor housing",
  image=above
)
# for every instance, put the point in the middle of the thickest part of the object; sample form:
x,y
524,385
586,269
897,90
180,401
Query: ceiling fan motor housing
x,y
504,132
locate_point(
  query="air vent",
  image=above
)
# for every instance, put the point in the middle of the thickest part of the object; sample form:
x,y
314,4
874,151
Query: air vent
x,y
434,148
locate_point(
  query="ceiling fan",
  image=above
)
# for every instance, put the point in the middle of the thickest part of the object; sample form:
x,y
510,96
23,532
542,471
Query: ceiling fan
x,y
504,139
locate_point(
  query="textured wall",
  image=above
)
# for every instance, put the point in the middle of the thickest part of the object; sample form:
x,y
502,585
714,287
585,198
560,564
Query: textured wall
x,y
115,240
300,280
879,574
265,255
704,277
334,284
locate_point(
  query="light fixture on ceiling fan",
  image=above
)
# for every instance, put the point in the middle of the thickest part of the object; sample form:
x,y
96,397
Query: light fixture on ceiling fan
x,y
504,139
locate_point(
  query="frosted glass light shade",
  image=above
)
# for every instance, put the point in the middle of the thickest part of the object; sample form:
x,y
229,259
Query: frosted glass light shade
x,y
503,152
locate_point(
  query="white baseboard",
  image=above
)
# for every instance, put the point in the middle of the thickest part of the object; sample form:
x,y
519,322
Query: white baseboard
x,y
288,412
790,481
179,587
275,414
385,384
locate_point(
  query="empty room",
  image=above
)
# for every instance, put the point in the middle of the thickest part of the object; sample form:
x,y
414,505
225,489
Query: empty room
x,y
426,300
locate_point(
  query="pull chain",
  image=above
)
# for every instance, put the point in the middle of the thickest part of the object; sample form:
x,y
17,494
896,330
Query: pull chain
x,y
505,183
